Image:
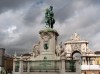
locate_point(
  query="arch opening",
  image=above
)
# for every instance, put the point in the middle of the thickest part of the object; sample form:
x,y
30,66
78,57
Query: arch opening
x,y
76,55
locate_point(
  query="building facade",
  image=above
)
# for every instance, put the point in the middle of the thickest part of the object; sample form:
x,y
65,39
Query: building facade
x,y
2,53
8,64
79,49
97,60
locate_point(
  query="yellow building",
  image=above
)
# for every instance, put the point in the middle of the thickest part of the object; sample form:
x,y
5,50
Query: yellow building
x,y
97,59
93,69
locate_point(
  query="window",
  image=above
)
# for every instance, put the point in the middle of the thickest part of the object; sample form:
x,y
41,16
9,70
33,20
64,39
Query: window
x,y
17,66
97,62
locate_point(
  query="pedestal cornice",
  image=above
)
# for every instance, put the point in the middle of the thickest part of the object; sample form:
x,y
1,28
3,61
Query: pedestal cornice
x,y
48,30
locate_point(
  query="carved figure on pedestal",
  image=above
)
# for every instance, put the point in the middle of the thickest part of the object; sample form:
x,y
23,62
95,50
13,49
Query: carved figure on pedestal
x,y
89,51
36,50
75,37
59,49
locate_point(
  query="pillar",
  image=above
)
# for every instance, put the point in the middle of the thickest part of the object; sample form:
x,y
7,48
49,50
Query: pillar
x,y
78,67
21,67
88,61
13,66
62,69
83,61
28,71
93,61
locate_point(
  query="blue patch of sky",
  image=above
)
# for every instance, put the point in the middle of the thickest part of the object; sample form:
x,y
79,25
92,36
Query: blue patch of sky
x,y
37,3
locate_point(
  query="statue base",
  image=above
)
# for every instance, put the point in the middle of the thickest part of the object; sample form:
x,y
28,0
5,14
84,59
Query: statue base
x,y
48,42
49,30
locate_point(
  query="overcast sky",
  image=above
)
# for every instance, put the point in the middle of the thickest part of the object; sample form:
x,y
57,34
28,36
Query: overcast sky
x,y
21,20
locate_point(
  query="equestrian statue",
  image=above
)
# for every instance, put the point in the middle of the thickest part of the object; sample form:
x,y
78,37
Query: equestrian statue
x,y
49,17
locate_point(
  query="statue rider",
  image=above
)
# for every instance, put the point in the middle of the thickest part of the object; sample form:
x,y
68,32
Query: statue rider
x,y
49,17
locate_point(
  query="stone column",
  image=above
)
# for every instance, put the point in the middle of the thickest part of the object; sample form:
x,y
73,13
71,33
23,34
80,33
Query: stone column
x,y
88,61
78,67
62,69
21,67
13,66
83,61
93,61
28,71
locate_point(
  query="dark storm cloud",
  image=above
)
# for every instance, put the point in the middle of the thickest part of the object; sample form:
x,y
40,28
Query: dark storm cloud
x,y
26,39
23,44
11,4
16,4
64,9
31,15
71,16
12,50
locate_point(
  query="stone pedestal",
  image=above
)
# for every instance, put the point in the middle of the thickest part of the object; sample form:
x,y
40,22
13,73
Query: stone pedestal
x,y
48,42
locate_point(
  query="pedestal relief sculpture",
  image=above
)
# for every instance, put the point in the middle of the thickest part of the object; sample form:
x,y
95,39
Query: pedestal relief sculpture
x,y
36,50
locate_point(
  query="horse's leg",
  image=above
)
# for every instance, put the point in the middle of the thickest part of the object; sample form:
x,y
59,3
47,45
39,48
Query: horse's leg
x,y
52,26
50,23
